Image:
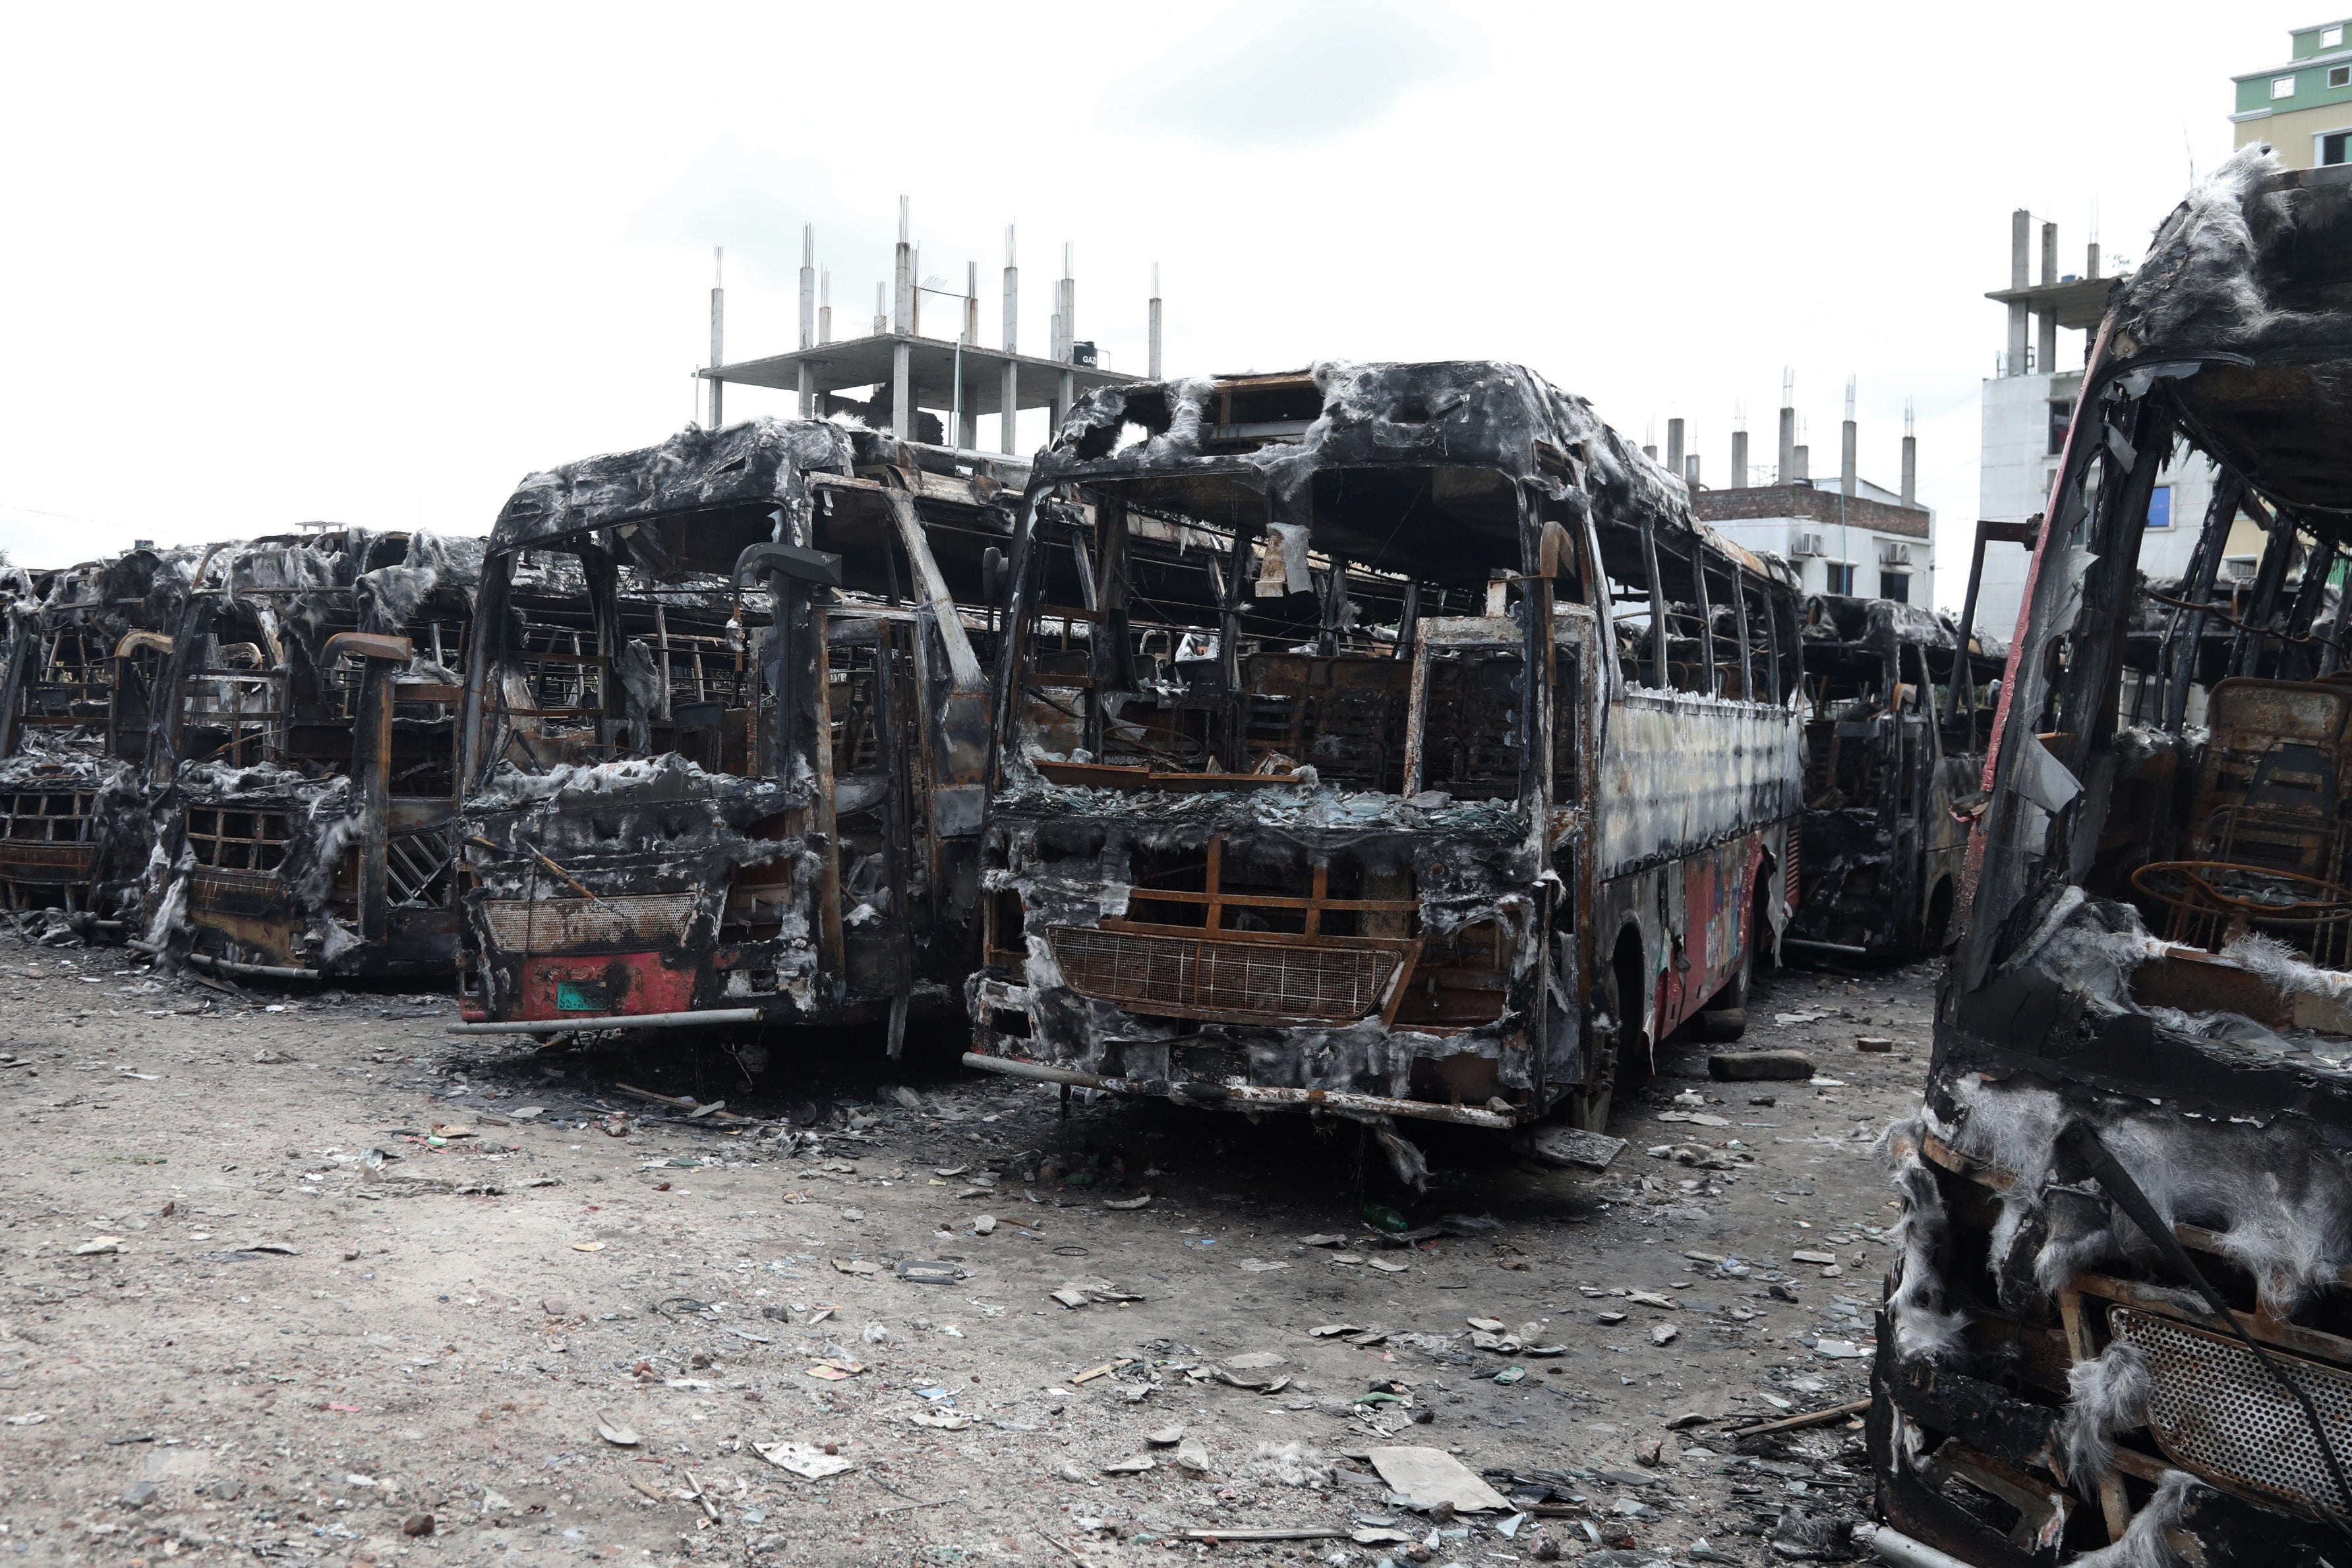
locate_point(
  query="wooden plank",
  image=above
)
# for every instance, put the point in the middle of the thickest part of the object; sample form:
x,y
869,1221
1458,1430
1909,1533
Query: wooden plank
x,y
1821,1418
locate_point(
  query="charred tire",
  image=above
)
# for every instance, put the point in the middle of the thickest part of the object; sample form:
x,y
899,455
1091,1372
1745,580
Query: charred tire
x,y
1725,1016
1717,1026
1629,1056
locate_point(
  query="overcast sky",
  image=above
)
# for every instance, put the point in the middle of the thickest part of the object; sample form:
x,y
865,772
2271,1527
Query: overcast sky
x,y
266,266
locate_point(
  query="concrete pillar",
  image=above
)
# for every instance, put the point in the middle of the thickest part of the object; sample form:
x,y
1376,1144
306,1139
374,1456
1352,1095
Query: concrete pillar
x,y
881,314
2045,358
1011,392
808,319
2020,241
902,392
1690,471
1799,464
825,305
1674,447
971,305
1650,450
902,282
1066,397
1012,296
1069,301
1739,460
1910,458
808,286
1154,369
717,336
2090,261
1786,471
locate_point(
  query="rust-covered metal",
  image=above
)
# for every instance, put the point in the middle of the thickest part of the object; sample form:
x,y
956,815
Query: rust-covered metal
x,y
1894,755
1382,740
2123,1280
725,731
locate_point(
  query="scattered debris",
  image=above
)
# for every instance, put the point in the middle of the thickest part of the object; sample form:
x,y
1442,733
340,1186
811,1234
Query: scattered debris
x,y
1573,1146
814,1461
1805,1418
1432,1478
1738,1065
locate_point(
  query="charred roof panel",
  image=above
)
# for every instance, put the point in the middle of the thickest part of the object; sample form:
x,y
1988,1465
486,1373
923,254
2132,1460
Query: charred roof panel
x,y
750,467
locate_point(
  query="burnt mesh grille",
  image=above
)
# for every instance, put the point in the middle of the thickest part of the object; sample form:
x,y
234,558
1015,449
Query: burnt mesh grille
x,y
1205,977
2219,1412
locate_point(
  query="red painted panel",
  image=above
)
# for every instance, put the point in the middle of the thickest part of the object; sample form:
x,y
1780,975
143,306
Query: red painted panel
x,y
606,984
1717,898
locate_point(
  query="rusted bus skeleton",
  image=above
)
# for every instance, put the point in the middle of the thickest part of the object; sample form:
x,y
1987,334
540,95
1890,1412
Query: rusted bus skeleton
x,y
1894,757
2121,1305
305,758
737,777
1450,766
87,646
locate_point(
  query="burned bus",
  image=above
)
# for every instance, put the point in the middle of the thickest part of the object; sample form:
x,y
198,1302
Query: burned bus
x,y
734,775
87,646
1450,768
305,759
1893,751
2119,1320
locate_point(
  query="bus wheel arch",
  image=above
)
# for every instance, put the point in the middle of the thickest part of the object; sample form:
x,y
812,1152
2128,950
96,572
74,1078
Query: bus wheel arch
x,y
1935,925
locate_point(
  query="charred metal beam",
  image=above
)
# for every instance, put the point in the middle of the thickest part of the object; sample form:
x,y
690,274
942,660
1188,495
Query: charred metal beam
x,y
1244,1095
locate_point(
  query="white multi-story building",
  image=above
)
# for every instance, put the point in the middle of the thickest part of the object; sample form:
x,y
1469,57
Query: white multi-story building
x,y
1875,545
2028,400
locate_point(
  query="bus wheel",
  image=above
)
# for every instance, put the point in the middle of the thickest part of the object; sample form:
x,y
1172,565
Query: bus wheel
x,y
1725,1017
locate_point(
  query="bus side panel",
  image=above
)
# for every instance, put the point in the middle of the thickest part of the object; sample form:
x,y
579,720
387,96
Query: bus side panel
x,y
1680,772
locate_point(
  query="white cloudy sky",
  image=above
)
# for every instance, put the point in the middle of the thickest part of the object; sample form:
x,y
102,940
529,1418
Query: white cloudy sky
x,y
373,264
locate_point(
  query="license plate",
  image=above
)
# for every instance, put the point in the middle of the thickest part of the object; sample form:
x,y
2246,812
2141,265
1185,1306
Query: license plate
x,y
583,997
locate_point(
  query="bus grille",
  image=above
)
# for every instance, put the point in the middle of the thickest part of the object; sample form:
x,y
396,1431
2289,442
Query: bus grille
x,y
1222,980
2218,1412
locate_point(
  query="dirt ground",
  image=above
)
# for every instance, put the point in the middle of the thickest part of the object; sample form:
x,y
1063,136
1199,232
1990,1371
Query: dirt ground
x,y
252,1305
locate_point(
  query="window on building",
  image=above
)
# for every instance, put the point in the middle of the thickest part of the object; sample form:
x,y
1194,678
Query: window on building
x,y
2159,506
2062,413
2282,87
2339,76
2331,37
2336,147
2239,567
1894,585
1838,577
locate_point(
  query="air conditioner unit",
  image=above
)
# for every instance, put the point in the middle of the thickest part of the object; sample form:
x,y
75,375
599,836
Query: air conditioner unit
x,y
1890,554
1809,544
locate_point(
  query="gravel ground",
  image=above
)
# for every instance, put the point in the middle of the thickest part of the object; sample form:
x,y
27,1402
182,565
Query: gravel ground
x,y
296,1275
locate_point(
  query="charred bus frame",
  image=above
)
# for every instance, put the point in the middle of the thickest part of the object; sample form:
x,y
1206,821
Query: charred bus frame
x,y
736,818
1381,800
2120,1315
1894,753
305,758
86,654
